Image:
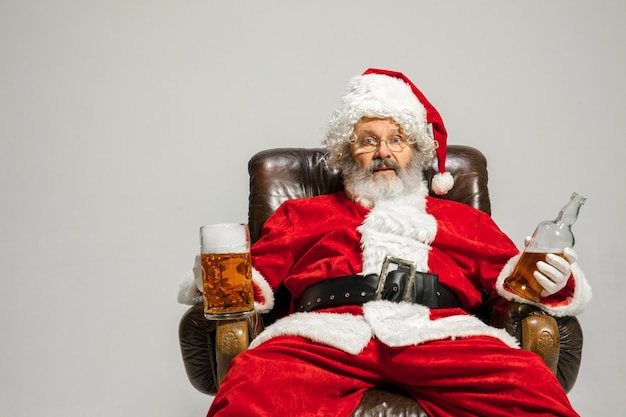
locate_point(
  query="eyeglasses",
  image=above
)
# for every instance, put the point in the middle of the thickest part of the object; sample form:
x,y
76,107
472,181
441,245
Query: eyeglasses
x,y
367,144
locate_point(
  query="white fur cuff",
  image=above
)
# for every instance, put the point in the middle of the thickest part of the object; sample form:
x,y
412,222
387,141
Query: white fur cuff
x,y
575,305
263,294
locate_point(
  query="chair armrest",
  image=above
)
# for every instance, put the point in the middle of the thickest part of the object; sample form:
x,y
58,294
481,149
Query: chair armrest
x,y
208,346
558,340
196,336
570,353
233,337
540,334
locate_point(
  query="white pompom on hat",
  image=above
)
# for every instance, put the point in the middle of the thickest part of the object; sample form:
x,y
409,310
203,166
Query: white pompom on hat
x,y
384,93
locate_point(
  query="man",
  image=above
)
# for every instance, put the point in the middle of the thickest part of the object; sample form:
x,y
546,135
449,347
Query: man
x,y
341,340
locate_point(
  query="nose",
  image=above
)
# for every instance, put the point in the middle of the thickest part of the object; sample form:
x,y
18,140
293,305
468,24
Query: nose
x,y
382,151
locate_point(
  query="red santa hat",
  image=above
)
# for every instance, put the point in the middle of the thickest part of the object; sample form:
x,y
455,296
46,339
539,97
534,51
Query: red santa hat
x,y
382,93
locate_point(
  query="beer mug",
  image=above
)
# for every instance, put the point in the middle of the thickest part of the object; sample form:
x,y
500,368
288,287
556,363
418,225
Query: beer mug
x,y
226,271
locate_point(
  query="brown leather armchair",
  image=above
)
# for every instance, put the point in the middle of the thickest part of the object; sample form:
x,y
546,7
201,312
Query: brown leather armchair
x,y
277,175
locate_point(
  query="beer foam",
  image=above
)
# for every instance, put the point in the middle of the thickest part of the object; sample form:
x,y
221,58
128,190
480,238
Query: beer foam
x,y
224,238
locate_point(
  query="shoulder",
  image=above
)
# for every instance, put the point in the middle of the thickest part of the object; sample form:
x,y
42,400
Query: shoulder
x,y
319,199
446,208
337,199
461,219
316,206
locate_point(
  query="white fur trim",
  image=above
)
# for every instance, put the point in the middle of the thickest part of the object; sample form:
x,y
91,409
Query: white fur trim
x,y
403,324
576,304
400,228
343,331
394,324
442,183
378,95
266,292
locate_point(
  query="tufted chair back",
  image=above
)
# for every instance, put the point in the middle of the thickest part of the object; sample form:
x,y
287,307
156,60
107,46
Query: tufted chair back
x,y
277,175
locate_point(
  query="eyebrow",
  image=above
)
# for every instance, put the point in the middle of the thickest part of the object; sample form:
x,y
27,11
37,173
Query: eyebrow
x,y
371,133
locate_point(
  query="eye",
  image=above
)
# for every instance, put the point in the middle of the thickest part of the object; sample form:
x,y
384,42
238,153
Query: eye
x,y
369,141
396,140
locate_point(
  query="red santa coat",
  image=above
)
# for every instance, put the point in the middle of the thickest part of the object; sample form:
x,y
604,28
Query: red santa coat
x,y
309,240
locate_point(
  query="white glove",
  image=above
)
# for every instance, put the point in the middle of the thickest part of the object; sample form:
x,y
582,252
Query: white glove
x,y
197,273
190,291
554,272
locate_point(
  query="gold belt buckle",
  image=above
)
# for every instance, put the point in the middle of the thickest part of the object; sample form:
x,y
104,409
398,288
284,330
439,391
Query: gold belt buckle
x,y
382,278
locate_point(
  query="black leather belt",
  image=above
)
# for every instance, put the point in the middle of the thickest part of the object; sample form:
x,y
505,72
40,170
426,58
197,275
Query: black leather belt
x,y
359,289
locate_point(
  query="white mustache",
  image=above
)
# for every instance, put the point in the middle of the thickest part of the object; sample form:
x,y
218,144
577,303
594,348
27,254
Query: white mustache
x,y
382,164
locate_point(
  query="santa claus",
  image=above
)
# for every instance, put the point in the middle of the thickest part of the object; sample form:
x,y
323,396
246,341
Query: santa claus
x,y
347,333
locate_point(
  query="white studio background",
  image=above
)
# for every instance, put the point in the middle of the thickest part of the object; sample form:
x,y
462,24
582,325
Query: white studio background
x,y
125,125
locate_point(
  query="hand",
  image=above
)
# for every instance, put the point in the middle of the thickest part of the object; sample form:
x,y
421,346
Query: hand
x,y
554,272
191,288
197,273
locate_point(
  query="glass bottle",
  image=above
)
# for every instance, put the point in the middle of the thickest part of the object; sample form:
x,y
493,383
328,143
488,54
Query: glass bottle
x,y
549,237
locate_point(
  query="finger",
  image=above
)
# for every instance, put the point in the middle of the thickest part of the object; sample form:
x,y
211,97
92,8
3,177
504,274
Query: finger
x,y
550,272
570,255
549,286
558,263
197,266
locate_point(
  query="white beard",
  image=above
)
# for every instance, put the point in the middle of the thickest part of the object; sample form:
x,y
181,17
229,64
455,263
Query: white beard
x,y
398,224
367,188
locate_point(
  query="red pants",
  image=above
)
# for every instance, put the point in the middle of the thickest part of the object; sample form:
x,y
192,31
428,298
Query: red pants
x,y
475,376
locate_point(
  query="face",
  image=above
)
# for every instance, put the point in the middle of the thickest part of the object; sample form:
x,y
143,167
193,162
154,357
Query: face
x,y
382,130
378,173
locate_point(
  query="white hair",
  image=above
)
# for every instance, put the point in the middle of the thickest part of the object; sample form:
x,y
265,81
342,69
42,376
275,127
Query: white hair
x,y
380,97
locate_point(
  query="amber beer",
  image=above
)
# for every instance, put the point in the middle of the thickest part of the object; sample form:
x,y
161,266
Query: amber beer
x,y
226,271
227,283
522,281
